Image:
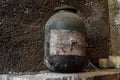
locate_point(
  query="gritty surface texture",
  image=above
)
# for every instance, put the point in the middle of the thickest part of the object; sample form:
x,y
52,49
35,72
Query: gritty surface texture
x,y
114,11
96,75
22,31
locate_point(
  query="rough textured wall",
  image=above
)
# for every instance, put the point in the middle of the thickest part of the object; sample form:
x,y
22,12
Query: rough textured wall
x,y
21,35
114,11
98,37
22,31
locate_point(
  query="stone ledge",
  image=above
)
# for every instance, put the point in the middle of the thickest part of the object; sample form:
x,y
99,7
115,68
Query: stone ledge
x,y
95,75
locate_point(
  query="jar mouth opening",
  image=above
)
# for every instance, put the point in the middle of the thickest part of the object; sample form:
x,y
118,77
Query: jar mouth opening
x,y
69,8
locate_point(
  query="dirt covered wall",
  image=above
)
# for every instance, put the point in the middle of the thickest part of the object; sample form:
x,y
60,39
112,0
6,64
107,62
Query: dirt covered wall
x,y
114,11
22,31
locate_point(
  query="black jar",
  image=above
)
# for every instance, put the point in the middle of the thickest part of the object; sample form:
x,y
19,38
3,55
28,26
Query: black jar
x,y
65,46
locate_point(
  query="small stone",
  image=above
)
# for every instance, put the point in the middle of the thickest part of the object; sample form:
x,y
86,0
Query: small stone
x,y
104,63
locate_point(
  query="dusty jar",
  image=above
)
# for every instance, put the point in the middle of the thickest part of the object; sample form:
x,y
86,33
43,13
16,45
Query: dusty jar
x,y
65,45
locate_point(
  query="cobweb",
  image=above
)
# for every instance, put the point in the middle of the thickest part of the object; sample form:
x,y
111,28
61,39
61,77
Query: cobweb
x,y
95,24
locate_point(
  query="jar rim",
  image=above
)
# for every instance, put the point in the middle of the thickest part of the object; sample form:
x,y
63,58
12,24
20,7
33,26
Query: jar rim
x,y
70,8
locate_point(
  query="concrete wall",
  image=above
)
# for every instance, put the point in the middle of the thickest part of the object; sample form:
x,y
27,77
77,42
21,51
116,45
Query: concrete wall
x,y
114,16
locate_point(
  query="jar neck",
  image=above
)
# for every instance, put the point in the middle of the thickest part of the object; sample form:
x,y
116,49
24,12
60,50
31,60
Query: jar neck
x,y
65,9
60,11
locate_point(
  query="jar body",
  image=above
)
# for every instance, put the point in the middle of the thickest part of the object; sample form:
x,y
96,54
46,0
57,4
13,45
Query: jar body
x,y
65,43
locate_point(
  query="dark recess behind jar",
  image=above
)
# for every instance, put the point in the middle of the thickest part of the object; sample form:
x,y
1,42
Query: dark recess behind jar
x,y
22,31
